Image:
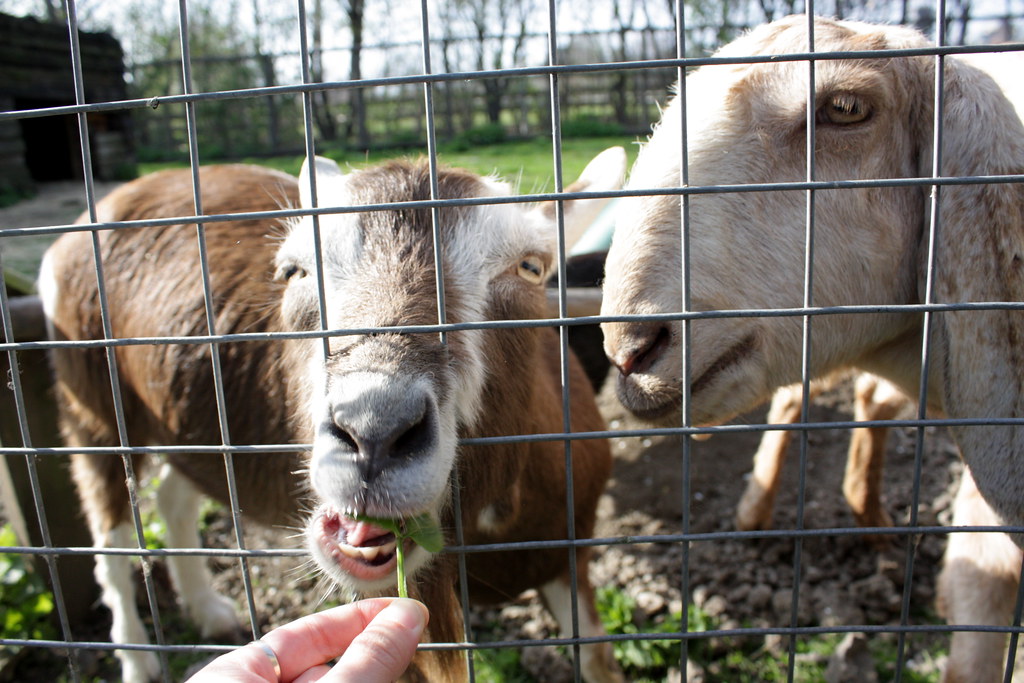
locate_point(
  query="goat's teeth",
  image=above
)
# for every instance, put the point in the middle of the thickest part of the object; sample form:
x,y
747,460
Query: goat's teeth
x,y
367,553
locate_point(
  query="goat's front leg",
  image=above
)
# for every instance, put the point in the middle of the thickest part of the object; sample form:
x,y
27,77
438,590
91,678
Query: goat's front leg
x,y
178,501
114,576
874,399
754,510
977,586
100,481
597,661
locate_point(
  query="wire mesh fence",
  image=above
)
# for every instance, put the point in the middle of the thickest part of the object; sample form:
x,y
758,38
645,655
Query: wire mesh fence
x,y
680,588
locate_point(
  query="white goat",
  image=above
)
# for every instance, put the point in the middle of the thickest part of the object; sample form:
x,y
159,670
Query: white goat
x,y
747,123
384,411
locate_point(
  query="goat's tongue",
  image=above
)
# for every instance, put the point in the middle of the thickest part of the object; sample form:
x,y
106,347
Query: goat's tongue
x,y
359,533
360,549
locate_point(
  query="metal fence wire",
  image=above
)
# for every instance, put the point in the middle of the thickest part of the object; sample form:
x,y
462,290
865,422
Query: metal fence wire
x,y
774,565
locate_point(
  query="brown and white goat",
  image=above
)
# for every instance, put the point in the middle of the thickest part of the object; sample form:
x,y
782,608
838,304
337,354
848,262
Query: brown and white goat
x,y
384,411
747,123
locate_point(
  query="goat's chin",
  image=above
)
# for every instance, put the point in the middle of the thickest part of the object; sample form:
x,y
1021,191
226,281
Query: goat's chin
x,y
360,569
721,392
650,398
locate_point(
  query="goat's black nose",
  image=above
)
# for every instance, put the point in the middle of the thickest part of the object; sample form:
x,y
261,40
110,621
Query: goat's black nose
x,y
382,432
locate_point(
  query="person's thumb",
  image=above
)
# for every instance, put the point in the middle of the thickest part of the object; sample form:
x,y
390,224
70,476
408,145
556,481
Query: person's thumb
x,y
381,653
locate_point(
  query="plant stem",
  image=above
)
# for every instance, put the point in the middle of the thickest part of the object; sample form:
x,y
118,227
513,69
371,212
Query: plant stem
x,y
403,591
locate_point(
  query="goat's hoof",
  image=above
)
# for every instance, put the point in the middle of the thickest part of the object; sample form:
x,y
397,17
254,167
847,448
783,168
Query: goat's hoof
x,y
216,618
754,512
139,667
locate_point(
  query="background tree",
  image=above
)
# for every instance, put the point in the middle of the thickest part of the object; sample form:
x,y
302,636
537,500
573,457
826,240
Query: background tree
x,y
494,23
322,115
266,66
248,43
623,25
355,127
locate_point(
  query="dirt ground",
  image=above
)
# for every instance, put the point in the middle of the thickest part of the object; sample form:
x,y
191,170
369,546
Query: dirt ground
x,y
739,582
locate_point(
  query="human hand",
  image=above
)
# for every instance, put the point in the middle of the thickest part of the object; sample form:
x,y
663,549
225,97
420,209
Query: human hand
x,y
375,638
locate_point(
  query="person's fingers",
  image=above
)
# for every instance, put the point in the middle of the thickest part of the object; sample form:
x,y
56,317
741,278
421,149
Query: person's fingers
x,y
247,664
381,653
314,674
321,637
300,645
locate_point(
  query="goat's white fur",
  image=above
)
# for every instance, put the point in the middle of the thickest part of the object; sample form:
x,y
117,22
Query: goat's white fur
x,y
746,123
178,503
114,576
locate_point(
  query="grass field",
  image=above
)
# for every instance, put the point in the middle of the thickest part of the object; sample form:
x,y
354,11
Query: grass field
x,y
530,162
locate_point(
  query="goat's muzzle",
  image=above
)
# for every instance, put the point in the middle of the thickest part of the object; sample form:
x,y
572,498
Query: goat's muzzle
x,y
379,452
378,442
639,347
379,448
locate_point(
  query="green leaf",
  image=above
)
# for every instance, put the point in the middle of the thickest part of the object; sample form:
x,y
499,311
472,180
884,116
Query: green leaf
x,y
425,532
422,529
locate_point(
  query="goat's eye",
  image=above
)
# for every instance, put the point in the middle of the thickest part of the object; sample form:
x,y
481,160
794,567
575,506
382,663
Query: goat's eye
x,y
288,271
844,109
531,269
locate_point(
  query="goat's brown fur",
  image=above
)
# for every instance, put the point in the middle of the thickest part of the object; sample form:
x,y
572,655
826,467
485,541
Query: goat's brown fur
x,y
153,287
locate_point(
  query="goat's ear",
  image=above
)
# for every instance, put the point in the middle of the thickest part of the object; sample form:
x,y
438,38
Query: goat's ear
x,y
980,258
329,180
605,172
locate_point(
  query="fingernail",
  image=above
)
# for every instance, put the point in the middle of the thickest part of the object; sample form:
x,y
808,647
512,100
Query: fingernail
x,y
409,613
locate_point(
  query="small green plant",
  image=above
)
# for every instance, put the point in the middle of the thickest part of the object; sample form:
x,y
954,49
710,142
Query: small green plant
x,y
408,139
485,134
25,601
422,530
644,658
500,664
126,171
11,195
927,655
590,127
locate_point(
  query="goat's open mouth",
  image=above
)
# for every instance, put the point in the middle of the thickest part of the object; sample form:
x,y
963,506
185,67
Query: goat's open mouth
x,y
361,549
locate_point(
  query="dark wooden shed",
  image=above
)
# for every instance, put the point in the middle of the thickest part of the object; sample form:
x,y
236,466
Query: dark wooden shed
x,y
36,72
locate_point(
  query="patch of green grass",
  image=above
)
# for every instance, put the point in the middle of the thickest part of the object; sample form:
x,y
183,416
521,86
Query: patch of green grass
x,y
745,660
648,659
25,600
923,665
529,163
754,664
589,126
746,664
500,664
10,195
